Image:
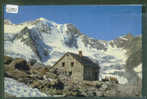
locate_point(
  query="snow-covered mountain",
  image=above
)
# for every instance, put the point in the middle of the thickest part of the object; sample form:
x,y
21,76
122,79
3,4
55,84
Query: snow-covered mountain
x,y
47,41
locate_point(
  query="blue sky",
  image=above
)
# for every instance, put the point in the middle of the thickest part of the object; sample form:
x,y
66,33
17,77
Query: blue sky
x,y
100,22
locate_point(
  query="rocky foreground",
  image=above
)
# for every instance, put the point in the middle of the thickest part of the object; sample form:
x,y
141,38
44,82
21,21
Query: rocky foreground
x,y
44,79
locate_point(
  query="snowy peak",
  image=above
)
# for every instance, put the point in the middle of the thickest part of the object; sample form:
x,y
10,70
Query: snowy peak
x,y
42,19
121,41
64,34
71,29
45,21
128,36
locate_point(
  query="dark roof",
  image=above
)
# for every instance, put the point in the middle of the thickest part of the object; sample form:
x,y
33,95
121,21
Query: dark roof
x,y
84,60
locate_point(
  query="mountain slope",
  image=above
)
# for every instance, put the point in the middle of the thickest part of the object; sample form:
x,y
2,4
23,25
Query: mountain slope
x,y
47,41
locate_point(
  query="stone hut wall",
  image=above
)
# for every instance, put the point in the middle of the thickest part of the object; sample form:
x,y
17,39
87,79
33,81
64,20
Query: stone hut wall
x,y
70,66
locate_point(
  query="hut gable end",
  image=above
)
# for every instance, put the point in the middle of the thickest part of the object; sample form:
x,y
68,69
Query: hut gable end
x,y
65,55
77,67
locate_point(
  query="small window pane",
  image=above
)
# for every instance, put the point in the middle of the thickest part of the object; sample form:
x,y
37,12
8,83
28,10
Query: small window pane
x,y
63,64
72,64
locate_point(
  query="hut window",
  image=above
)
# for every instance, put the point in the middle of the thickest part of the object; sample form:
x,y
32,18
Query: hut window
x,y
63,64
70,73
96,74
72,64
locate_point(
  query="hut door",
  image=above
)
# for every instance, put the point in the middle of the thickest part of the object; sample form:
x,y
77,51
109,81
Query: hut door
x,y
96,75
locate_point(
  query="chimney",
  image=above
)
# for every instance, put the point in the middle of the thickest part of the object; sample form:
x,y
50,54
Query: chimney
x,y
80,53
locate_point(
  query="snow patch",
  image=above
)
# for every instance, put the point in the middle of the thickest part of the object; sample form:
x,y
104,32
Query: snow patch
x,y
18,89
119,53
124,38
138,69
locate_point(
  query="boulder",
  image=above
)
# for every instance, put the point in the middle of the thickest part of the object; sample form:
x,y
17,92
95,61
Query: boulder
x,y
59,85
38,65
7,59
104,87
91,91
39,70
20,64
59,92
16,74
51,91
98,84
7,67
90,83
66,92
36,84
93,83
99,93
111,93
51,75
32,61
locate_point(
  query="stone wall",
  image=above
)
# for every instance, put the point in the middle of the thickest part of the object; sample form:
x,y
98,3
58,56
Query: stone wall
x,y
70,66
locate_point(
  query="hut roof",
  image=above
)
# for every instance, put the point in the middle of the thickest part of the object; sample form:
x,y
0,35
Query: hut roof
x,y
84,60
